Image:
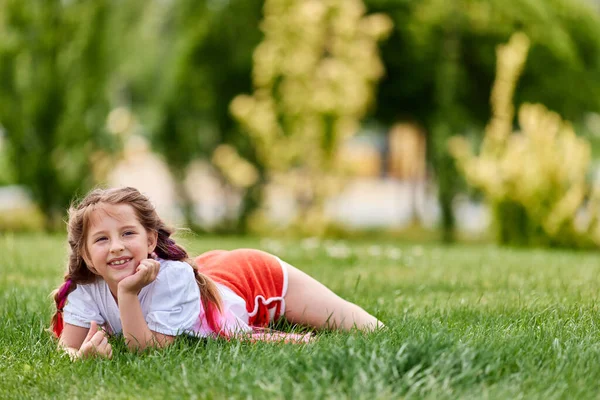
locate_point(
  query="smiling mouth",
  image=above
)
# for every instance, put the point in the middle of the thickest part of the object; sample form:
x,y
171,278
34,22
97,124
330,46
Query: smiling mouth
x,y
119,263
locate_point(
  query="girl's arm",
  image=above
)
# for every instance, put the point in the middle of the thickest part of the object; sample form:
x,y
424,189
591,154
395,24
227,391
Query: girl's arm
x,y
80,342
135,329
71,339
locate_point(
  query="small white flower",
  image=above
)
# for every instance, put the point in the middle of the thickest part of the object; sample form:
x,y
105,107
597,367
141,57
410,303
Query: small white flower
x,y
339,250
375,251
394,253
311,243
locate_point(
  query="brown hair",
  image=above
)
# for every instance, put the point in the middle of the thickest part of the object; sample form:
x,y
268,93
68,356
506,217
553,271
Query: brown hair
x,y
166,248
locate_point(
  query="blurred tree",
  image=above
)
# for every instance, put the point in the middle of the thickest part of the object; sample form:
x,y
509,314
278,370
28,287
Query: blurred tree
x,y
184,129
181,64
52,95
233,33
313,77
7,175
535,180
161,75
440,67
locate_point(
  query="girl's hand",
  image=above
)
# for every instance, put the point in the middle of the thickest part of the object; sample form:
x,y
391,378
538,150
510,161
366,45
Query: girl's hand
x,y
145,274
95,344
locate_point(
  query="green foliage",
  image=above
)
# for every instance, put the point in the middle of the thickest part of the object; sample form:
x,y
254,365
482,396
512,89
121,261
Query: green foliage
x,y
561,73
535,180
183,131
313,74
233,34
7,175
180,65
440,66
52,98
463,322
21,219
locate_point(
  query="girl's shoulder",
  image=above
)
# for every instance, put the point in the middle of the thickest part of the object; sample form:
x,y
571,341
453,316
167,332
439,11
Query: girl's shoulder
x,y
87,294
172,267
92,287
175,275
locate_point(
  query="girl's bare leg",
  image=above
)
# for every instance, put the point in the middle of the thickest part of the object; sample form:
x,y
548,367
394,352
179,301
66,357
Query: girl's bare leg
x,y
309,302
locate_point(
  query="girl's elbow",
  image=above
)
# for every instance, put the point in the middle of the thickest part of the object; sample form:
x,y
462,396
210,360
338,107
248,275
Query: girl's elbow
x,y
139,346
136,346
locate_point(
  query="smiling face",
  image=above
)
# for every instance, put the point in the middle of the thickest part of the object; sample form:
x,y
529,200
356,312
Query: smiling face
x,y
116,243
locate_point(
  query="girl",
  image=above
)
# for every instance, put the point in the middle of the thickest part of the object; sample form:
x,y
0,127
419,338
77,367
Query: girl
x,y
127,275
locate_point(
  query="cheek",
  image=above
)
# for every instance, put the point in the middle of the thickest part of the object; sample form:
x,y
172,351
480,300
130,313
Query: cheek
x,y
95,251
138,247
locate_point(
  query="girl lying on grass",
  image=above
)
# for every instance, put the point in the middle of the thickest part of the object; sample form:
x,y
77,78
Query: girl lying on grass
x,y
127,275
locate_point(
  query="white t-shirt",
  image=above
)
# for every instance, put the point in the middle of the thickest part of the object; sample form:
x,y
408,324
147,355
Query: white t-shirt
x,y
171,305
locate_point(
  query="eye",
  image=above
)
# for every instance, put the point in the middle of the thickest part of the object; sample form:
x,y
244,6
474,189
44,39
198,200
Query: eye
x,y
99,239
129,233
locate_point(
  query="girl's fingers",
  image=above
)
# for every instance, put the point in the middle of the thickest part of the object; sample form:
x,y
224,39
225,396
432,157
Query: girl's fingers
x,y
91,332
97,338
104,348
151,268
143,271
84,349
97,346
151,264
149,273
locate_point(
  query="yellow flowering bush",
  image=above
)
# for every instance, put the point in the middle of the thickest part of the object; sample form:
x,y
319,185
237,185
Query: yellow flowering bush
x,y
239,172
534,179
313,75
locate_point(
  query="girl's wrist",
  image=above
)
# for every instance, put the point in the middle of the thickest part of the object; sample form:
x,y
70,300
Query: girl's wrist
x,y
122,291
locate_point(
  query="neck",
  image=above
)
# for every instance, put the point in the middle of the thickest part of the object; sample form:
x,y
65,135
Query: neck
x,y
113,291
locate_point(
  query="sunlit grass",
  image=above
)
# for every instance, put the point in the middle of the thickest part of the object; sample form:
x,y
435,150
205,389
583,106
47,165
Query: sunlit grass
x,y
464,321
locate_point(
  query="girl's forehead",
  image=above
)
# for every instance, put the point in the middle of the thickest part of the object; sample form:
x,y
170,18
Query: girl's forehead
x,y
105,212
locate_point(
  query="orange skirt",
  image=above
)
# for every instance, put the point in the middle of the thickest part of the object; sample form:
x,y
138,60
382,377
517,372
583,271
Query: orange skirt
x,y
255,276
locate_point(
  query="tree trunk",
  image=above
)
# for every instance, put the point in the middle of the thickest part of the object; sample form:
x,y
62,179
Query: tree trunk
x,y
444,125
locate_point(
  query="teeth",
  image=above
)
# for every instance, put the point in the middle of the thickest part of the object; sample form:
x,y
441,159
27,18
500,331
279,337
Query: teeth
x,y
119,262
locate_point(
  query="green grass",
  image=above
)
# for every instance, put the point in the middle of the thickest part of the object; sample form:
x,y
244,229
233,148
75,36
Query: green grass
x,y
464,322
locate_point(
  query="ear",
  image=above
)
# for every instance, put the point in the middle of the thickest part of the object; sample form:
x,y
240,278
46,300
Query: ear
x,y
152,240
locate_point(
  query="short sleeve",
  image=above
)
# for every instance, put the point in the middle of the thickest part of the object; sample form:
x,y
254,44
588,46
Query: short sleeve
x,y
175,300
80,308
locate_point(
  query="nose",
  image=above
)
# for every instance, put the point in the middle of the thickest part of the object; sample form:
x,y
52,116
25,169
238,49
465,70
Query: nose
x,y
116,246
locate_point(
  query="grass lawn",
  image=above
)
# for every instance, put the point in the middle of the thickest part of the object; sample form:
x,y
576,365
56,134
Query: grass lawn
x,y
464,322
